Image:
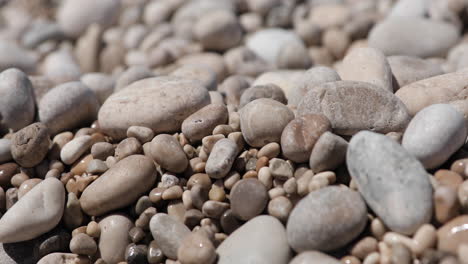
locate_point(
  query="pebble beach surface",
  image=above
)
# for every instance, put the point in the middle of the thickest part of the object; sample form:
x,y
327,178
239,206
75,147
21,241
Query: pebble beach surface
x,y
233,132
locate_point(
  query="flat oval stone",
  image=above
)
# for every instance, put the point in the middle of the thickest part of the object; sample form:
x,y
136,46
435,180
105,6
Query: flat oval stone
x,y
68,106
434,134
221,158
312,257
435,90
392,181
454,233
408,69
136,104
74,18
201,123
61,258
313,224
30,145
307,80
301,134
114,237
40,210
73,150
168,233
260,240
120,186
17,106
262,91
353,106
263,121
328,153
168,153
248,198
367,65
413,36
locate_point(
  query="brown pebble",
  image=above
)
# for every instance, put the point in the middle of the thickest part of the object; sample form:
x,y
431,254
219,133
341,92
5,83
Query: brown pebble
x,y
217,193
248,198
250,174
136,234
143,134
81,165
192,217
102,150
214,209
459,166
93,229
453,234
83,244
172,193
79,230
168,153
30,145
127,147
199,178
446,205
364,247
18,179
155,254
280,207
229,222
26,186
350,260
447,177
199,195
231,179
176,209
261,162
196,248
270,150
156,194
7,170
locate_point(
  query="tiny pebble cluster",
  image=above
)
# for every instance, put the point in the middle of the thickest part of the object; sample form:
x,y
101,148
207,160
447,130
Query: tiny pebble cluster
x,y
233,132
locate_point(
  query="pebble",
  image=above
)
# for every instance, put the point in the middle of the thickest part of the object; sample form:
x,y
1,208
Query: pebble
x,y
248,198
451,235
143,134
96,166
439,89
136,105
168,153
26,186
313,225
196,248
268,245
127,147
263,121
201,123
409,36
379,165
114,237
281,169
280,207
434,134
218,30
310,256
367,65
135,254
102,150
221,158
328,153
408,69
301,134
41,210
73,216
75,18
168,233
68,106
309,79
271,91
352,106
83,244
63,258
267,43
120,186
75,148
293,55
131,75
17,104
5,153
30,145
101,84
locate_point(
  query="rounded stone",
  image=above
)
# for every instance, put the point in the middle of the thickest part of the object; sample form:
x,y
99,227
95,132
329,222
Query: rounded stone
x,y
309,257
176,100
119,186
127,147
221,158
168,153
40,210
17,106
248,198
68,106
62,258
352,106
411,36
74,18
393,182
201,123
453,234
260,240
367,65
434,134
313,224
218,30
300,135
262,91
263,121
73,150
30,145
408,69
83,244
168,233
328,153
114,237
196,248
